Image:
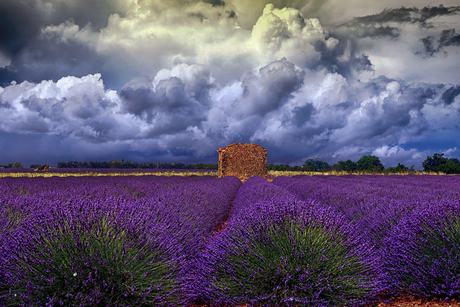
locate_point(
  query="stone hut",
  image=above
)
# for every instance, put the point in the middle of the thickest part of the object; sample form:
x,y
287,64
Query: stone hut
x,y
43,168
243,161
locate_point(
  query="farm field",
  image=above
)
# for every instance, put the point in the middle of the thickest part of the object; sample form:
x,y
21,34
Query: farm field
x,y
203,241
98,172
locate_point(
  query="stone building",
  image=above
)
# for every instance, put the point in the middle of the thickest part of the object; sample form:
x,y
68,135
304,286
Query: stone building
x,y
243,161
44,168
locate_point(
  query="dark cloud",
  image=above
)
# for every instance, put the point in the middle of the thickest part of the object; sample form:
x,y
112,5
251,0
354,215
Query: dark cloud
x,y
429,47
33,124
376,32
49,59
448,37
231,14
22,21
427,13
84,12
302,115
375,26
345,58
215,2
50,108
449,95
167,109
19,23
405,15
34,57
137,101
272,89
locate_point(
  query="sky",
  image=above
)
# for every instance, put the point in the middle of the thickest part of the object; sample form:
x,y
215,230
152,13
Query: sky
x,y
175,80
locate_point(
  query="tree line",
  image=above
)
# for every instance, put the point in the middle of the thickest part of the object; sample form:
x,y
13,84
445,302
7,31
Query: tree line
x,y
12,165
372,164
366,164
132,165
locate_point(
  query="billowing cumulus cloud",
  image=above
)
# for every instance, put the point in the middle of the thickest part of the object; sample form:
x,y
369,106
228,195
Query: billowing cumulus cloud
x,y
175,80
184,112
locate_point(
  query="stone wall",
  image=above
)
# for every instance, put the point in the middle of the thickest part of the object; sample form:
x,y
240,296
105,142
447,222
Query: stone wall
x,y
243,161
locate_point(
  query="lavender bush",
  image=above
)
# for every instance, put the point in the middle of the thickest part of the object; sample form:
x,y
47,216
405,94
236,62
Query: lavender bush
x,y
404,217
286,252
374,203
423,252
105,241
94,262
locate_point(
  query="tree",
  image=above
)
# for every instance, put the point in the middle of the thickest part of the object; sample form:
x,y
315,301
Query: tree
x,y
432,164
15,165
72,164
439,163
347,166
401,168
371,164
316,165
450,167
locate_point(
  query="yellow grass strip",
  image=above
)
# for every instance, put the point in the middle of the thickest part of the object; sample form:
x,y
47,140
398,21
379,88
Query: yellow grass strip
x,y
95,174
271,174
336,173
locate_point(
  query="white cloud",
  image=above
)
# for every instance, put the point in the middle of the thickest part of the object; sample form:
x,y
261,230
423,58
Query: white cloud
x,y
70,106
287,33
449,152
395,154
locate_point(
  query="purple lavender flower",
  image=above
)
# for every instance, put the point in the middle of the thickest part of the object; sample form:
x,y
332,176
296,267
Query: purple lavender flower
x,y
111,241
282,251
423,252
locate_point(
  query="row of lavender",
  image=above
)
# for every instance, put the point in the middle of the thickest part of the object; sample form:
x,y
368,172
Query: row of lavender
x,y
280,250
105,241
412,222
335,241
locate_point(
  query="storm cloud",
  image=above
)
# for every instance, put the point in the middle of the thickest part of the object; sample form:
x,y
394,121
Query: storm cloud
x,y
174,81
185,113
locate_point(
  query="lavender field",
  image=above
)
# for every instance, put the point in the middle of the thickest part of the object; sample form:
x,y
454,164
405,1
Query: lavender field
x,y
200,240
